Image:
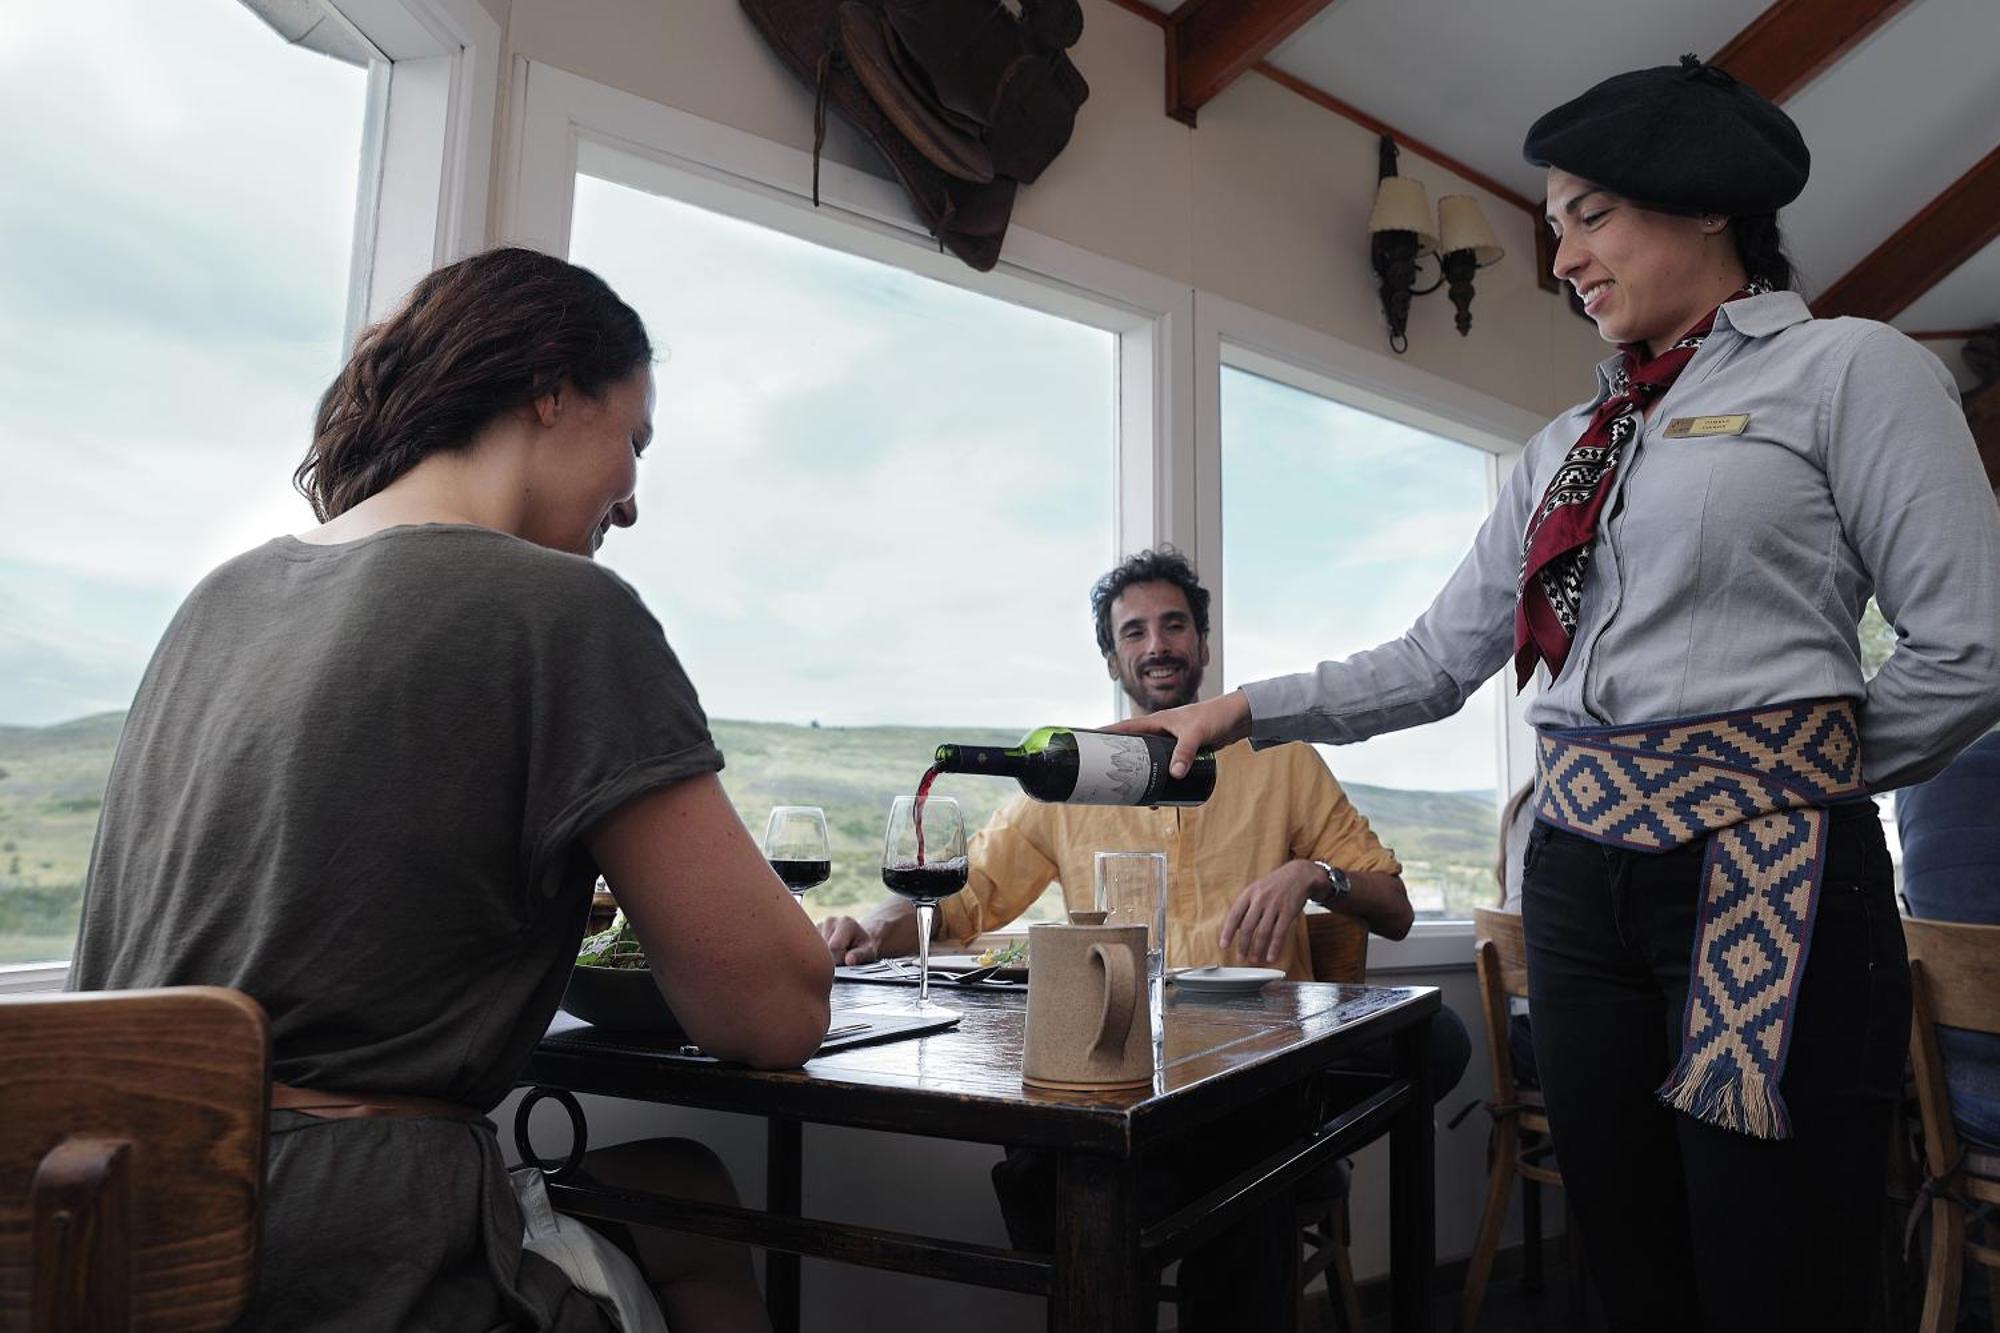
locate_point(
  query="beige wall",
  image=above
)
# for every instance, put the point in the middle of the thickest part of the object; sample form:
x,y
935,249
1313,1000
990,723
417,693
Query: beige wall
x,y
1265,203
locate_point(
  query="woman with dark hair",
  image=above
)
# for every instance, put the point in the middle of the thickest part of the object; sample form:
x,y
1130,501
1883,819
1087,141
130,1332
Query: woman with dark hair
x,y
371,776
1719,988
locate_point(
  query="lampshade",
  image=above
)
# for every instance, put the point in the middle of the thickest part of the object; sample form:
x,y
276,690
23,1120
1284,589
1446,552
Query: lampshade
x,y
1400,205
1464,228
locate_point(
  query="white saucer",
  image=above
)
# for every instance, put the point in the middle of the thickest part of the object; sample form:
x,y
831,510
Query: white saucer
x,y
1226,979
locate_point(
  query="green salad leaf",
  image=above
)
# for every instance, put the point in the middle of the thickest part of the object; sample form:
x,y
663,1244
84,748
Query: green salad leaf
x,y
615,946
1007,956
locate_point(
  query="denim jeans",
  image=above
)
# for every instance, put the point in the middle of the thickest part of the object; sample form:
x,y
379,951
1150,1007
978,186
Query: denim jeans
x,y
1951,855
1684,1225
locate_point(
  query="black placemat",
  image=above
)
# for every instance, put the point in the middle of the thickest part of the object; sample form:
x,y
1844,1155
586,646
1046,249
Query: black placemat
x,y
571,1034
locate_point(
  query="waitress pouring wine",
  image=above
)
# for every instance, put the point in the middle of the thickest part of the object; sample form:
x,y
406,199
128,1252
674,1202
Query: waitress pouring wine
x,y
1716,967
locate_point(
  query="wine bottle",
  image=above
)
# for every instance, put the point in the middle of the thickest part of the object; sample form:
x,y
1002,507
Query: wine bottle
x,y
1064,765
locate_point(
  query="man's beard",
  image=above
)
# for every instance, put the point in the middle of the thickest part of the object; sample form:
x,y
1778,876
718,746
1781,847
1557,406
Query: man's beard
x,y
1143,699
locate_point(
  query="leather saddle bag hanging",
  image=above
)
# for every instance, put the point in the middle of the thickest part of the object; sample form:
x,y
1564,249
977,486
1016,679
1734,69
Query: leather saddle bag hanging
x,y
965,98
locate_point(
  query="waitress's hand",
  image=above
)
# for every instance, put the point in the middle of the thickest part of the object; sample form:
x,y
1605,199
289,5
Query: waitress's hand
x,y
1210,724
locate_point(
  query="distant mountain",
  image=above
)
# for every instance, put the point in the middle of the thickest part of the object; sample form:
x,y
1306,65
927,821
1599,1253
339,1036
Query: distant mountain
x,y
52,780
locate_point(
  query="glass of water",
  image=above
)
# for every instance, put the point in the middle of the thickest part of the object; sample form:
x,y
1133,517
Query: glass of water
x,y
1132,891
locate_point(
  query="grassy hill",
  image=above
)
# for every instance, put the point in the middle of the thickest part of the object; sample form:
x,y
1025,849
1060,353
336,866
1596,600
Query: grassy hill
x,y
52,780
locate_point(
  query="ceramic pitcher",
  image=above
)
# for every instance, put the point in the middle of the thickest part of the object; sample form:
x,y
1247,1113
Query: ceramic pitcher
x,y
1089,1027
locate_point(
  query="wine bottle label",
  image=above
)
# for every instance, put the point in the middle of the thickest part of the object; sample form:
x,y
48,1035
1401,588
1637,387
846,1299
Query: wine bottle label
x,y
1112,770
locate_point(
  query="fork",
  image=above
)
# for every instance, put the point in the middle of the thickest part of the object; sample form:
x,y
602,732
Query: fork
x,y
971,976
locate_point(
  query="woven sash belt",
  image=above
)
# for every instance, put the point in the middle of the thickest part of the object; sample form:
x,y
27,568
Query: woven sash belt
x,y
1753,783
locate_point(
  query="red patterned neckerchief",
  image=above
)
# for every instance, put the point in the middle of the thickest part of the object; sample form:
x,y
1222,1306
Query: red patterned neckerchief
x,y
1555,551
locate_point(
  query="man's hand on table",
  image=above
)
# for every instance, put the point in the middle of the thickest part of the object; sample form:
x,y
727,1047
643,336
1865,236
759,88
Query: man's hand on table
x,y
1260,920
848,941
889,932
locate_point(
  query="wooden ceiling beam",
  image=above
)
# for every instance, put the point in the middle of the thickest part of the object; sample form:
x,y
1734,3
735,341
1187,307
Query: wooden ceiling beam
x,y
1788,44
1952,228
1211,43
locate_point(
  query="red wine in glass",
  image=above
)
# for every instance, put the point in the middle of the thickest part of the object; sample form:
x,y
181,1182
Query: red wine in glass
x,y
926,883
795,844
802,875
938,823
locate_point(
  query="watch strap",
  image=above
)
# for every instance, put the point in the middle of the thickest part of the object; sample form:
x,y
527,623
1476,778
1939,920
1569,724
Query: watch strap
x,y
1338,885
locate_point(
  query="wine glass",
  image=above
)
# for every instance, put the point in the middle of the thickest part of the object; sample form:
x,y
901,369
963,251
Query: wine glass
x,y
795,845
924,861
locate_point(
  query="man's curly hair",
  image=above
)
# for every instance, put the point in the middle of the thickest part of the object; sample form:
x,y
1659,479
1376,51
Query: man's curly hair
x,y
1163,565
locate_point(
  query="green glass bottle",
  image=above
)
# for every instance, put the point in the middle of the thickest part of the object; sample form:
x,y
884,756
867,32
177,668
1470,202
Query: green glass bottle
x,y
1067,765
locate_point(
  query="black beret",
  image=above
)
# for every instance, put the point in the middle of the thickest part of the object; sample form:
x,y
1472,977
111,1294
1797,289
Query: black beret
x,y
1685,138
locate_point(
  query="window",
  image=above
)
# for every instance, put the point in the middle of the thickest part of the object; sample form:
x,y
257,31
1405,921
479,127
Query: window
x,y
1338,528
172,298
872,513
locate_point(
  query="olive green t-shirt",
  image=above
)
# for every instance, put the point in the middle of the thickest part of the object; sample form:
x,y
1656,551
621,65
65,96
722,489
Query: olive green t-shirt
x,y
354,784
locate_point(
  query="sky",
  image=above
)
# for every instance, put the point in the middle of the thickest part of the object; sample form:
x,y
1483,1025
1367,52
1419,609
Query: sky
x,y
1338,528
175,229
872,497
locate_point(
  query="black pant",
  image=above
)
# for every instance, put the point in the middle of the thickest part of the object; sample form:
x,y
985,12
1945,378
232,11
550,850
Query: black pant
x,y
1683,1225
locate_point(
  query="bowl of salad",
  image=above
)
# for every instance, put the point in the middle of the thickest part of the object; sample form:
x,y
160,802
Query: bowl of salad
x,y
611,986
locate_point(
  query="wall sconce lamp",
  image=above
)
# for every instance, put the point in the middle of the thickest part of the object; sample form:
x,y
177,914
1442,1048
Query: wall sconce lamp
x,y
1400,234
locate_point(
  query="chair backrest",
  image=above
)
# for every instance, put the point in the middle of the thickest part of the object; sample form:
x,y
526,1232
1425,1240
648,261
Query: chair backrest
x,y
1962,963
131,1158
1502,958
1339,944
1954,981
1504,930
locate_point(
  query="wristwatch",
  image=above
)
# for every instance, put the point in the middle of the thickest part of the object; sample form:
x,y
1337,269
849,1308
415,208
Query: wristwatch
x,y
1338,886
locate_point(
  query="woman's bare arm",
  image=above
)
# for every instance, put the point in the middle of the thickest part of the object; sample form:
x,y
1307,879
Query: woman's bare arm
x,y
745,971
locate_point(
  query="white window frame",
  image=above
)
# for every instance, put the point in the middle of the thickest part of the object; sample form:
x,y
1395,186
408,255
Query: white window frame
x,y
1228,333
560,123
427,151
1173,340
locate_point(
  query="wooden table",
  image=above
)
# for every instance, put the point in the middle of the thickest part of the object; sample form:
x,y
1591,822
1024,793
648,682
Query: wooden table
x,y
1218,1054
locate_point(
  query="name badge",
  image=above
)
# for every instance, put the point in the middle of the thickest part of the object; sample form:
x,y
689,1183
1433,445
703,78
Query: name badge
x,y
1685,428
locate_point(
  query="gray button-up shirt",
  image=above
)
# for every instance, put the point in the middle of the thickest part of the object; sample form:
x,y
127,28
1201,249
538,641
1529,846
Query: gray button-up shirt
x,y
1731,571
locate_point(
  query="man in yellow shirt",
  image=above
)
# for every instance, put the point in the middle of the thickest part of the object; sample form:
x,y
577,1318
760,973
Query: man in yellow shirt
x,y
1277,833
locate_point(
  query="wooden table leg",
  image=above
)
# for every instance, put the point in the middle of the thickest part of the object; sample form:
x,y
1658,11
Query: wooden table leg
x,y
1412,1189
1098,1287
784,1152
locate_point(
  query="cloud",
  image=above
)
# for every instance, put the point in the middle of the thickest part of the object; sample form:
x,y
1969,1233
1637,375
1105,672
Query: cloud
x,y
176,247
1338,529
875,497
205,186
71,645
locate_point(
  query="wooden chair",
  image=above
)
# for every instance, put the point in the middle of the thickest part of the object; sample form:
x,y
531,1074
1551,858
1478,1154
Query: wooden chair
x,y
1339,947
1954,981
131,1158
1521,1145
